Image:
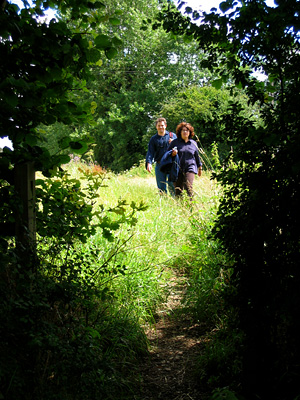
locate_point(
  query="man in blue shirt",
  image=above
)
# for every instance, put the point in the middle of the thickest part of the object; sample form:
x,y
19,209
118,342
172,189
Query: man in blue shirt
x,y
157,147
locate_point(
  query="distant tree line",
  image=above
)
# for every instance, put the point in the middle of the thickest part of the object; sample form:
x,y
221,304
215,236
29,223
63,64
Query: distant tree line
x,y
155,74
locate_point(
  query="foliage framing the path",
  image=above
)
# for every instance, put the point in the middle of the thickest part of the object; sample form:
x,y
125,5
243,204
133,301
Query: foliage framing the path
x,y
45,316
58,340
41,63
258,219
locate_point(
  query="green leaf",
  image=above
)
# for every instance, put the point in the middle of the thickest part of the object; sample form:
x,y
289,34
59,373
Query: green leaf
x,y
117,42
97,5
93,332
11,99
79,147
31,140
187,38
93,107
56,73
118,211
225,6
114,21
111,52
49,119
40,182
93,55
103,18
64,142
102,42
217,83
271,88
63,159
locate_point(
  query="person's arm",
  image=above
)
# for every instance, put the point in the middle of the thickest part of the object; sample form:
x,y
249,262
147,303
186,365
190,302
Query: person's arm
x,y
198,161
150,155
172,145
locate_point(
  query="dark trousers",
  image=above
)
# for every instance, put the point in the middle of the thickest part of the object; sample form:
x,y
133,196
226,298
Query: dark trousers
x,y
185,182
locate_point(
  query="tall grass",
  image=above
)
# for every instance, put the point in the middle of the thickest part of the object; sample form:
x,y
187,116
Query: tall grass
x,y
133,270
109,249
170,235
173,236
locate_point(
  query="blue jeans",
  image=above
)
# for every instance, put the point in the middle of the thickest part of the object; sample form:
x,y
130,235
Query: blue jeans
x,y
162,180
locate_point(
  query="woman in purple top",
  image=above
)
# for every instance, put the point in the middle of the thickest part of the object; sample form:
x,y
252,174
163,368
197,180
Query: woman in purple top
x,y
189,159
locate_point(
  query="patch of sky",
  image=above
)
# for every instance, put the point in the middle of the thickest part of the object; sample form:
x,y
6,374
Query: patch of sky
x,y
207,5
49,12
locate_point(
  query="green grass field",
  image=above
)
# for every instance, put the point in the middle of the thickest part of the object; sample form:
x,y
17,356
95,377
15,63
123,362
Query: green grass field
x,y
163,241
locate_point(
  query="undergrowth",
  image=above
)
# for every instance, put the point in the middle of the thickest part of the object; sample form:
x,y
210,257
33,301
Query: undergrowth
x,y
107,247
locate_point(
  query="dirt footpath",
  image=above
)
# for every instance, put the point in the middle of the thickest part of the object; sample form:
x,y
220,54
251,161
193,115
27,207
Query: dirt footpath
x,y
168,372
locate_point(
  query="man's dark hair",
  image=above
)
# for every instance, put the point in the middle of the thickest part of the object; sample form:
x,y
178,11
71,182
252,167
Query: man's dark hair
x,y
161,120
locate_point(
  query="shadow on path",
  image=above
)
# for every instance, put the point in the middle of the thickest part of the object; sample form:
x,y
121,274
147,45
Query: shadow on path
x,y
175,342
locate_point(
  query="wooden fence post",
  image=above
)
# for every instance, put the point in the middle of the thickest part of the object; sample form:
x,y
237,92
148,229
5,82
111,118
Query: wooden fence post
x,y
25,229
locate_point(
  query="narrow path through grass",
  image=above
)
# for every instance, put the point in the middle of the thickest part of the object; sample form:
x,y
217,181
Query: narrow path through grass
x,y
175,341
165,231
170,235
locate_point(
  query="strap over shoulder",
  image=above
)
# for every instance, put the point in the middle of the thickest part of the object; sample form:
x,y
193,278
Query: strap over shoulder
x,y
194,143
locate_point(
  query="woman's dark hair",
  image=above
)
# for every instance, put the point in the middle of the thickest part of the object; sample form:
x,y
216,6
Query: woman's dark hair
x,y
185,125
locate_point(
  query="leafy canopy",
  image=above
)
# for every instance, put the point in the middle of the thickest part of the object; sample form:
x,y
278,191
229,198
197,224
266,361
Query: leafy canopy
x,y
42,63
